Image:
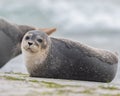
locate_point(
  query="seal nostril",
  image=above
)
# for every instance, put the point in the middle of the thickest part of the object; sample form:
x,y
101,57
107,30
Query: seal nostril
x,y
30,43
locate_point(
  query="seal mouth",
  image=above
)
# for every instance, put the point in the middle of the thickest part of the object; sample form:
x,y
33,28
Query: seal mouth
x,y
31,49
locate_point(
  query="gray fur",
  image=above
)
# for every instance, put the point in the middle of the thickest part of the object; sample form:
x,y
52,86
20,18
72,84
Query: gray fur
x,y
72,60
10,36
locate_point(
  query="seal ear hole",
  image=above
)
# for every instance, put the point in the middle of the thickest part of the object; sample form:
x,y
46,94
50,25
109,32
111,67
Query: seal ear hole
x,y
39,40
27,38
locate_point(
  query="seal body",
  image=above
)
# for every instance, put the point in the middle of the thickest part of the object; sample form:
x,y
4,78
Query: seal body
x,y
65,59
10,36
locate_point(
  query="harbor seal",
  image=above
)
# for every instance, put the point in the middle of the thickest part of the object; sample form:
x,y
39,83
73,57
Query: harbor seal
x,y
49,57
11,36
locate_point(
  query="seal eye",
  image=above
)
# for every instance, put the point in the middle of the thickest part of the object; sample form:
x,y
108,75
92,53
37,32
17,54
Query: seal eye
x,y
27,37
39,40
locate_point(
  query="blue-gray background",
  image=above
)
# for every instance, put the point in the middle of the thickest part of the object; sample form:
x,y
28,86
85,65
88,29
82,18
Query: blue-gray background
x,y
94,22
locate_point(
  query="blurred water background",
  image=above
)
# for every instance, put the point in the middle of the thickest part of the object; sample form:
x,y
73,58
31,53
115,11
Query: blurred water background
x,y
93,22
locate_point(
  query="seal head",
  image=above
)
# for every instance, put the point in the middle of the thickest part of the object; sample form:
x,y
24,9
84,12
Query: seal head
x,y
34,41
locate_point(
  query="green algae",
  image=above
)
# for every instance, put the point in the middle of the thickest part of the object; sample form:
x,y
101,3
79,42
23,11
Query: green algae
x,y
109,87
110,95
52,84
87,91
17,73
35,81
13,78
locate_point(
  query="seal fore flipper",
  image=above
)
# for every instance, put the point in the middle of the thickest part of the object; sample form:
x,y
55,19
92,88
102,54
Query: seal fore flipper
x,y
48,31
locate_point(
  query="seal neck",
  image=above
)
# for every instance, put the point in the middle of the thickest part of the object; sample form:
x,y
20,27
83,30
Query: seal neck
x,y
36,59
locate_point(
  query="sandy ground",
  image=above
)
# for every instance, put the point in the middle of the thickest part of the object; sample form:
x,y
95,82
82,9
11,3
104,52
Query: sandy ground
x,y
18,84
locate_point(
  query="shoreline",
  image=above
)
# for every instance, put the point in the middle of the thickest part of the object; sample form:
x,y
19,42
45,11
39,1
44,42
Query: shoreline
x,y
18,84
